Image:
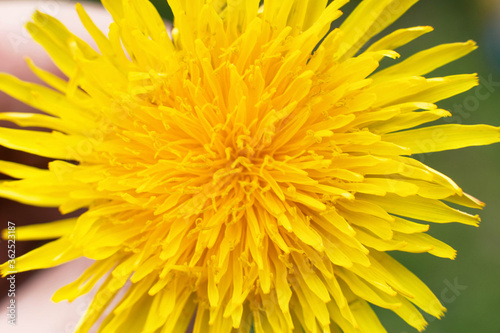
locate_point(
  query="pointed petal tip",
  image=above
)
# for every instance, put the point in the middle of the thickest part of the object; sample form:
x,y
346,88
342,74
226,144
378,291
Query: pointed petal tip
x,y
422,327
472,43
454,256
426,28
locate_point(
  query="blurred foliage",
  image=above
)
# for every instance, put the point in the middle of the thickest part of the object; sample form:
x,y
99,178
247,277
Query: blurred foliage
x,y
473,305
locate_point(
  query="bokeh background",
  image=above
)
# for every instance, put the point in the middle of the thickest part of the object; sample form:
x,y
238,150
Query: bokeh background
x,y
468,286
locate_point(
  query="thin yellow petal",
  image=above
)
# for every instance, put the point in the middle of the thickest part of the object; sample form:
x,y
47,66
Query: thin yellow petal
x,y
414,89
422,209
426,243
408,120
25,119
424,298
445,137
15,190
466,200
44,99
398,38
85,282
43,231
21,171
49,255
426,61
98,36
52,145
367,20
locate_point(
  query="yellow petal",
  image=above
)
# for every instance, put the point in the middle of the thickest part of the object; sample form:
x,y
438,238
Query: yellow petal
x,y
423,297
55,38
25,119
21,171
466,200
398,38
408,120
415,89
408,227
52,145
44,99
49,255
18,191
370,240
85,282
445,137
368,19
365,291
426,243
43,231
98,36
426,61
422,209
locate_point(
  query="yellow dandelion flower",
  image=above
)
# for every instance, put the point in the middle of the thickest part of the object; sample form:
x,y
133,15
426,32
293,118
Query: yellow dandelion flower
x,y
251,171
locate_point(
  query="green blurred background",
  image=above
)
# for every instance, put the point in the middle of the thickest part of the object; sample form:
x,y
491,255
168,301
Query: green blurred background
x,y
468,286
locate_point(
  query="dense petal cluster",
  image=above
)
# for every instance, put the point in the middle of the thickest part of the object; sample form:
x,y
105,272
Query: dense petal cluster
x,y
251,169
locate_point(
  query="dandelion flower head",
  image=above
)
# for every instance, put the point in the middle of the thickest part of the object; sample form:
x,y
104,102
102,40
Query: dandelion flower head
x,y
250,170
